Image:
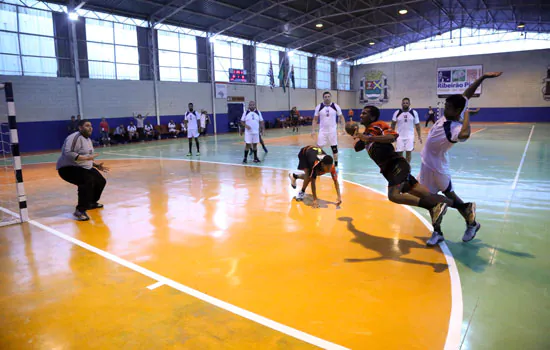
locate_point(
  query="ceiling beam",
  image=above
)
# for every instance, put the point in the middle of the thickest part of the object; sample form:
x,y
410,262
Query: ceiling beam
x,y
172,13
252,11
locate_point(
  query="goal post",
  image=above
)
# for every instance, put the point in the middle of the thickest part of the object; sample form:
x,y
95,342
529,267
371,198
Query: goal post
x,y
13,200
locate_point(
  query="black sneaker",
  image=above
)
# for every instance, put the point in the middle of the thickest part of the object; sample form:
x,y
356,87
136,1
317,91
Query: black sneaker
x,y
244,160
81,215
257,160
95,206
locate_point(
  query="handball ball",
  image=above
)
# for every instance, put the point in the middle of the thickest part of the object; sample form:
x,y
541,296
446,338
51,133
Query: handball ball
x,y
352,127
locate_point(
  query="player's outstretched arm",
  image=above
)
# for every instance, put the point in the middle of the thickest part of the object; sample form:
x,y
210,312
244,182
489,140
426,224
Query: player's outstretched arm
x,y
472,88
337,187
314,193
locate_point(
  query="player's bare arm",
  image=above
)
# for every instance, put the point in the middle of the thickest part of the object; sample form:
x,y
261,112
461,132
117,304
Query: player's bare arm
x,y
472,88
465,132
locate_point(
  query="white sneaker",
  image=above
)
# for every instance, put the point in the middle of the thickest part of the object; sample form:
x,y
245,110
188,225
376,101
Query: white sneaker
x,y
471,231
292,180
435,239
300,196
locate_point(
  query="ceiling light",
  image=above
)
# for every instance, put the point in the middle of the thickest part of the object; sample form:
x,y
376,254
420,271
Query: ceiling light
x,y
319,25
403,12
521,25
371,43
339,63
73,16
290,53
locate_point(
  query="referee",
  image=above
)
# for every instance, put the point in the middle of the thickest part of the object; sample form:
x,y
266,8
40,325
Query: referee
x,y
76,165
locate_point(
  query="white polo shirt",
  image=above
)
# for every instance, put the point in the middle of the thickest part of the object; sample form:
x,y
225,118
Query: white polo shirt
x,y
405,123
192,119
328,117
252,119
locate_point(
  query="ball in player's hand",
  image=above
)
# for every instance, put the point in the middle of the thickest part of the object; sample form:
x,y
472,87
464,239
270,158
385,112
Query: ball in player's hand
x,y
352,127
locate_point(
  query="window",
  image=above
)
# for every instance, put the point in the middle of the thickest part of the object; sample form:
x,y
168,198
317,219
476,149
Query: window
x,y
177,57
265,56
344,76
300,69
463,42
112,50
227,55
323,74
27,45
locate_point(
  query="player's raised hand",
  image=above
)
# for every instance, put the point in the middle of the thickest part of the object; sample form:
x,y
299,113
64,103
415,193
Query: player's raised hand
x,y
492,74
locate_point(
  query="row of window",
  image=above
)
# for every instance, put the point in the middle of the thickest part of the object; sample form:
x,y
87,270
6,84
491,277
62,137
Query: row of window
x,y
27,46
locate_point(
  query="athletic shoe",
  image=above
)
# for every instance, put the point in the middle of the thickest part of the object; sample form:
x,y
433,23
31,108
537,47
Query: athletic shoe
x,y
189,154
95,206
198,154
437,213
470,232
300,196
244,160
470,213
292,180
435,239
256,160
81,215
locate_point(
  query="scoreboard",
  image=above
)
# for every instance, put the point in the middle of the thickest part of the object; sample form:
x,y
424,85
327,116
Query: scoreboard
x,y
238,75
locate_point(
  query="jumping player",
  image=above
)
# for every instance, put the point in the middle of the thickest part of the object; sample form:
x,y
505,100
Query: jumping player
x,y
314,162
402,186
434,170
328,114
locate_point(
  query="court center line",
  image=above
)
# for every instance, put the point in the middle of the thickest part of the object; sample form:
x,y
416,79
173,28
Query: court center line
x,y
480,130
324,344
455,321
522,159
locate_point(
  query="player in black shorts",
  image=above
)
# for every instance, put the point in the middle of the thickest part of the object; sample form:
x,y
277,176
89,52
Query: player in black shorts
x,y
314,162
294,119
403,188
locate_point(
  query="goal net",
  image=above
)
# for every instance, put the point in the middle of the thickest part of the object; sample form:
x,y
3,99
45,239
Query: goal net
x,y
13,204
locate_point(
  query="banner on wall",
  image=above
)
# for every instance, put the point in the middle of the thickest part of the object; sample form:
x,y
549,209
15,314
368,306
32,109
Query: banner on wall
x,y
374,88
221,91
454,80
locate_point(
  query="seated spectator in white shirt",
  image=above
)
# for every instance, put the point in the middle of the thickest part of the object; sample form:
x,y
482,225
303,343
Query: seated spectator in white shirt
x,y
132,132
172,129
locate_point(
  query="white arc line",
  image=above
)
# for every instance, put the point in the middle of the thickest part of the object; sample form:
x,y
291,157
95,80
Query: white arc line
x,y
155,285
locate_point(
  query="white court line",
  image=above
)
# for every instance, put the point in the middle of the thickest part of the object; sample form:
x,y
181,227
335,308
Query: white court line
x,y
192,292
522,159
155,285
455,321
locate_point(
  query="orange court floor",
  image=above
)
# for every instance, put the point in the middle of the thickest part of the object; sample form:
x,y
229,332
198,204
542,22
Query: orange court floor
x,y
198,255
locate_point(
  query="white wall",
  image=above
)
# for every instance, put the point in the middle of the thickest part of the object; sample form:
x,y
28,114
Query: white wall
x,y
40,98
174,97
519,86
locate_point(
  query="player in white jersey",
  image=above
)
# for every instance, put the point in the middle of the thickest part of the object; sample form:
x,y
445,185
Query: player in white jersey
x,y
192,124
328,115
434,170
253,123
406,120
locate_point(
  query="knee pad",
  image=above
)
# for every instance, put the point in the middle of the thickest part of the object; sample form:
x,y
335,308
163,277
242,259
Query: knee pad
x,y
334,149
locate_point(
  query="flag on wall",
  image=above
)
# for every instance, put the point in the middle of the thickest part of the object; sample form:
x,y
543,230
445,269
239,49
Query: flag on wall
x,y
271,76
282,81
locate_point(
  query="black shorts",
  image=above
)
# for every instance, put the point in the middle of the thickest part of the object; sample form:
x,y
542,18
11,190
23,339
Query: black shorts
x,y
398,171
307,158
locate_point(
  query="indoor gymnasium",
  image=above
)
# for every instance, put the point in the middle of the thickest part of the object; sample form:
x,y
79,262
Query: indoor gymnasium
x,y
274,174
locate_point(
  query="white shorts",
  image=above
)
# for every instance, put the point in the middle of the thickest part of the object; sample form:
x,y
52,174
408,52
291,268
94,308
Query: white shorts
x,y
402,145
192,133
434,180
251,138
327,139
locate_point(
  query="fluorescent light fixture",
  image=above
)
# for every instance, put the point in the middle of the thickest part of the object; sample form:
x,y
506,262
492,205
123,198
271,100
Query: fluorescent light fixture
x,y
319,25
73,16
371,43
290,53
403,12
521,25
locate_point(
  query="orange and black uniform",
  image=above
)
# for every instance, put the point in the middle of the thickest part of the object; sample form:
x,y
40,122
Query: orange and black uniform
x,y
310,157
395,168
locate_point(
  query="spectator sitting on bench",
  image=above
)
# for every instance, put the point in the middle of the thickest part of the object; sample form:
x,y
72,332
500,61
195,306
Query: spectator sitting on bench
x,y
172,129
132,132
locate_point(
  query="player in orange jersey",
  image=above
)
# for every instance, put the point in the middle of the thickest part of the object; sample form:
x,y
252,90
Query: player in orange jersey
x,y
403,188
